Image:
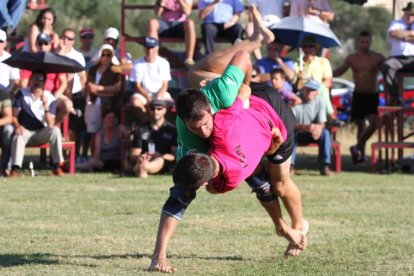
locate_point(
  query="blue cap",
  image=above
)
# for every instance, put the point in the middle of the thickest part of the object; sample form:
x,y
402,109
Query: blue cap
x,y
150,42
312,84
42,37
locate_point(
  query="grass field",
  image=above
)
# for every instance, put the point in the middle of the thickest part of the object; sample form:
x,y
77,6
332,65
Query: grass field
x,y
102,224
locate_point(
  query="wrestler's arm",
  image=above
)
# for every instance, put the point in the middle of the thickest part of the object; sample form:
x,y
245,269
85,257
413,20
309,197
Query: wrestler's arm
x,y
277,140
172,212
166,229
244,92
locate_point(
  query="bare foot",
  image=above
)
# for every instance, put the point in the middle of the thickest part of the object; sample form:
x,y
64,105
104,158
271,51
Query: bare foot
x,y
294,249
161,267
261,32
296,238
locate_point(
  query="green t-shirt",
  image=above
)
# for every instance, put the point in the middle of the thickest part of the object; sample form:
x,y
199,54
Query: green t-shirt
x,y
221,93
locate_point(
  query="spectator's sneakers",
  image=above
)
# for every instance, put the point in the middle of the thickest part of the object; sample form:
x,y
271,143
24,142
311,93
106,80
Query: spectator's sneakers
x,y
58,172
15,173
325,170
4,173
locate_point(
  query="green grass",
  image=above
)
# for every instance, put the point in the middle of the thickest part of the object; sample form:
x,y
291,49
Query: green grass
x,y
100,224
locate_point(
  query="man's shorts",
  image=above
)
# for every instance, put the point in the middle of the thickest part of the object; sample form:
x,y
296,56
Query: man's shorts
x,y
364,104
285,113
171,29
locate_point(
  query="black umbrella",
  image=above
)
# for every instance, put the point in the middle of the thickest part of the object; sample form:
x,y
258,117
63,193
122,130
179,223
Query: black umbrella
x,y
357,2
48,62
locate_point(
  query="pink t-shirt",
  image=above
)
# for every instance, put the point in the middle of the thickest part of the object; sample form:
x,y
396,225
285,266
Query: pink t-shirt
x,y
172,11
240,139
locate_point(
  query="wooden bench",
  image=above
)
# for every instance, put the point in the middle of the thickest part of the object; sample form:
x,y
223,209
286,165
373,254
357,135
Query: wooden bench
x,y
129,38
391,139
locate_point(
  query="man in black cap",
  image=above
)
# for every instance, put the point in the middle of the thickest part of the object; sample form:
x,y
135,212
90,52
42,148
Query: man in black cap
x,y
401,37
150,75
154,144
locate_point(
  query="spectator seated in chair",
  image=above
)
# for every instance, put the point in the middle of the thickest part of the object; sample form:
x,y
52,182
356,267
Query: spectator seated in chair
x,y
310,125
34,112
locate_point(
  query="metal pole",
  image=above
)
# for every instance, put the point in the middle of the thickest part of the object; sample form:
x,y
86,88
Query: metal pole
x,y
394,8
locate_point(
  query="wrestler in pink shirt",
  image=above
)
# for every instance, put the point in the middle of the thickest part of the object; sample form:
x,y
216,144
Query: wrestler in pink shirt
x,y
240,138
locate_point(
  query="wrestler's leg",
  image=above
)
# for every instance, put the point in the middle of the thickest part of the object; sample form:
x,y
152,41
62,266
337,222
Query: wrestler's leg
x,y
214,64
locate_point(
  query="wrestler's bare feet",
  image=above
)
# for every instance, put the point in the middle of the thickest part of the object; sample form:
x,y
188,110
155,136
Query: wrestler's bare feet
x,y
260,33
161,266
295,237
294,249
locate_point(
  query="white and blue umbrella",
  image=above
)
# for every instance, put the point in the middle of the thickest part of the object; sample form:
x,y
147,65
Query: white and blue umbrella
x,y
291,31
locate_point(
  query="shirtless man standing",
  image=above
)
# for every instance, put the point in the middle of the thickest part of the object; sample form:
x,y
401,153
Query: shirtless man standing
x,y
365,65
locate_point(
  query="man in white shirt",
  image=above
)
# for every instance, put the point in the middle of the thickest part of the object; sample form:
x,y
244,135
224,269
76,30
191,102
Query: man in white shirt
x,y
150,74
9,77
401,37
76,88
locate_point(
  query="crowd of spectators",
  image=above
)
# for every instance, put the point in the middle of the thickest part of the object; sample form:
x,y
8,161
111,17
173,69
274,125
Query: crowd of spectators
x,y
34,104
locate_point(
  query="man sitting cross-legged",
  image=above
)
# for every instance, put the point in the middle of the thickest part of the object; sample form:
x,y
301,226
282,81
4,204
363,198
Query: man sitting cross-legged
x,y
221,93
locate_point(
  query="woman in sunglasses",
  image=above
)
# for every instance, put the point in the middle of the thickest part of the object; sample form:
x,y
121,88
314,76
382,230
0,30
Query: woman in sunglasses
x,y
102,88
44,23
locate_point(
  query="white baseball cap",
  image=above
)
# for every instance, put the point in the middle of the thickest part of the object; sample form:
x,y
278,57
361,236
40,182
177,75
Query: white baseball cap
x,y
111,32
3,36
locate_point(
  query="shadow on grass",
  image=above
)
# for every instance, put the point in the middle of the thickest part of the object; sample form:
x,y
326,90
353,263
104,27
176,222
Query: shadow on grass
x,y
307,164
145,255
9,260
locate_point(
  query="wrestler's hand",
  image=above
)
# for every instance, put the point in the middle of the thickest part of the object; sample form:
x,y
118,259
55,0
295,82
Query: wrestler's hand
x,y
161,265
277,140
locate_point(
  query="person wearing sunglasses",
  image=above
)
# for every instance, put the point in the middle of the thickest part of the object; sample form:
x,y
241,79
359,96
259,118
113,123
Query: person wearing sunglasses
x,y
75,91
87,49
311,66
154,144
56,83
34,111
275,60
44,23
102,90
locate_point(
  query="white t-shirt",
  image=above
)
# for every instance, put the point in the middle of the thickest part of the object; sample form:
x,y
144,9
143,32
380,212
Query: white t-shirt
x,y
7,73
151,75
399,47
77,56
271,11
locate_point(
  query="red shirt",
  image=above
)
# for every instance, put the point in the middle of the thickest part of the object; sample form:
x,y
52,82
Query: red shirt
x,y
52,79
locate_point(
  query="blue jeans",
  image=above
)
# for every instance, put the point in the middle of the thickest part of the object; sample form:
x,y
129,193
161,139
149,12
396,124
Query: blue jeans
x,y
10,12
324,142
